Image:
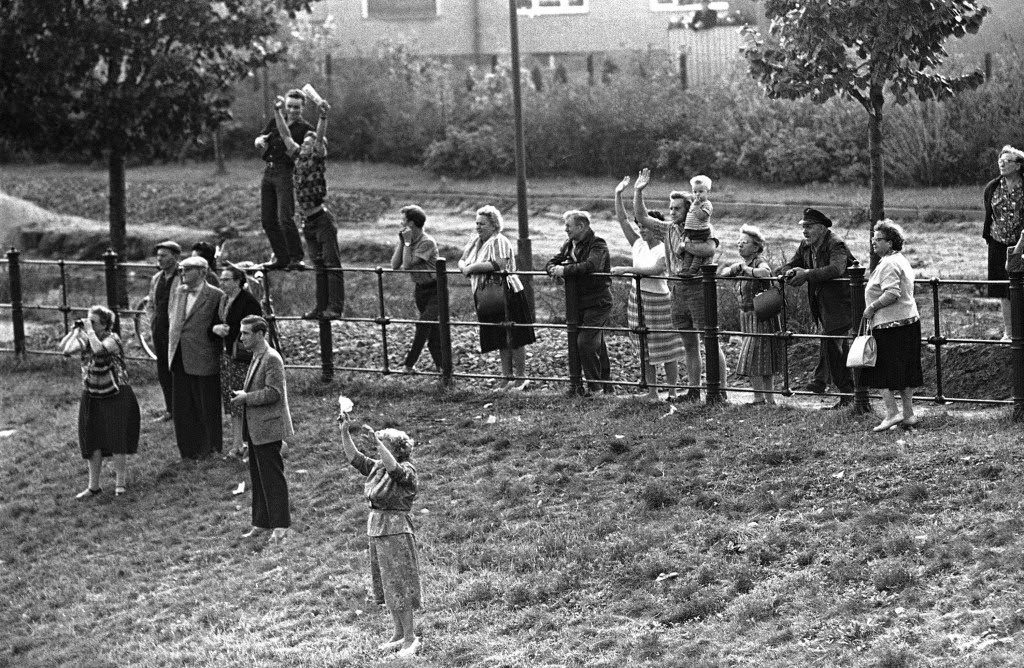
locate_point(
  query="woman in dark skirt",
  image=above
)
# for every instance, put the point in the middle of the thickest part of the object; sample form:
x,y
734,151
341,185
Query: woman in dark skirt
x,y
1004,222
236,303
487,254
108,413
896,326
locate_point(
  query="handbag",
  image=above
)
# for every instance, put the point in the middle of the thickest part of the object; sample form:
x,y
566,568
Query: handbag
x,y
768,303
490,298
863,350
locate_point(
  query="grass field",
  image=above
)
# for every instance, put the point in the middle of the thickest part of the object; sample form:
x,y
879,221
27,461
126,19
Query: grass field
x,y
599,534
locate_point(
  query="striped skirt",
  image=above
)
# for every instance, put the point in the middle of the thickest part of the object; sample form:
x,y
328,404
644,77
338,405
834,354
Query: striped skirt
x,y
662,347
760,356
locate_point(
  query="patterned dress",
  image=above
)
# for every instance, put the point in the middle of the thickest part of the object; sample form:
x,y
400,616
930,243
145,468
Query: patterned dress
x,y
759,356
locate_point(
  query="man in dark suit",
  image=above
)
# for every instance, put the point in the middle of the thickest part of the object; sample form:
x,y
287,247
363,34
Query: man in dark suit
x,y
194,349
266,422
583,255
821,258
163,284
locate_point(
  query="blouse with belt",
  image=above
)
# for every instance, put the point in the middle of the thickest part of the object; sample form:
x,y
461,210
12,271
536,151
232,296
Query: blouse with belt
x,y
390,493
497,248
894,276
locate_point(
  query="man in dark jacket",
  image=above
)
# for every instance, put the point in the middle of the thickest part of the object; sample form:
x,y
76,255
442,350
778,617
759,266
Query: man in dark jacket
x,y
583,255
821,258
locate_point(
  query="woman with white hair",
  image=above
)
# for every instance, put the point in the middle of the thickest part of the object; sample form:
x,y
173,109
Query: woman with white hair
x,y
485,258
760,357
1004,222
391,489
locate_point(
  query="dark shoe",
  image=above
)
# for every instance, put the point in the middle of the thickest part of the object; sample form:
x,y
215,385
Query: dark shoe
x,y
312,315
839,405
298,265
88,493
330,314
816,387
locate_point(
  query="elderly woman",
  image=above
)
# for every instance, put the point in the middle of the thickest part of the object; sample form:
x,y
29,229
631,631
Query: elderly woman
x,y
664,348
236,303
760,357
390,488
487,254
896,325
108,412
1004,222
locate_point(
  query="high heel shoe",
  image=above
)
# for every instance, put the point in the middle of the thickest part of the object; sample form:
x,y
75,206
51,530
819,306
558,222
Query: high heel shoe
x,y
88,493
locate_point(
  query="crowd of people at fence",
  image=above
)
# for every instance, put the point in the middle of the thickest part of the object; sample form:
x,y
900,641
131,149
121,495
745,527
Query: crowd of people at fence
x,y
213,355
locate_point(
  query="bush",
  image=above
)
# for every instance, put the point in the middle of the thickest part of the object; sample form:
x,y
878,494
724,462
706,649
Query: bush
x,y
472,153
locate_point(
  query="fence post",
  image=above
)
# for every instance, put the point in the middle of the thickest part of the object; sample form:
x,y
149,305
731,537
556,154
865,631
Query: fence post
x,y
110,259
712,365
326,351
641,332
1017,342
382,318
937,340
860,393
444,321
17,312
572,330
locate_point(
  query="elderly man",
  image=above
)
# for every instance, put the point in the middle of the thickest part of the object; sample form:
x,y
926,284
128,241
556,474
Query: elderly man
x,y
194,350
583,255
821,258
161,287
266,422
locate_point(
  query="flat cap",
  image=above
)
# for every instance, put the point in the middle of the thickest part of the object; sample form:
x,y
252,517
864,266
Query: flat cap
x,y
815,216
194,261
172,246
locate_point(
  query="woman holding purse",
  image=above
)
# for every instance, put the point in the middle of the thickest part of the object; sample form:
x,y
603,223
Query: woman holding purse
x,y
498,300
108,412
892,314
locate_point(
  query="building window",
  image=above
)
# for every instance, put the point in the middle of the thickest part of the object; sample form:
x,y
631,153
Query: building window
x,y
686,6
537,7
399,9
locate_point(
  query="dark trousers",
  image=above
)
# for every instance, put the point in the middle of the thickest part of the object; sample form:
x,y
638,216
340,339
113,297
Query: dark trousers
x,y
427,329
592,348
322,241
196,411
832,356
277,212
269,488
159,326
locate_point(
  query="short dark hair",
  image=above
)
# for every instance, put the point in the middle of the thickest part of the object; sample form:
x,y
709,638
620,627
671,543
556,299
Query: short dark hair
x,y
237,275
414,215
206,251
296,94
892,232
256,322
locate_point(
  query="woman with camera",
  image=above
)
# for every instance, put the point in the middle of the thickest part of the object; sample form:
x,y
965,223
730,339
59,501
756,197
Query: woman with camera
x,y
108,412
484,257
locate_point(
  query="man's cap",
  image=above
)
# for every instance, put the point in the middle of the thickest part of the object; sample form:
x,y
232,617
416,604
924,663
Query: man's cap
x,y
194,261
815,216
172,246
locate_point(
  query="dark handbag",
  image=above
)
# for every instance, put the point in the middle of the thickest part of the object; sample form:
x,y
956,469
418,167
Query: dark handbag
x,y
490,298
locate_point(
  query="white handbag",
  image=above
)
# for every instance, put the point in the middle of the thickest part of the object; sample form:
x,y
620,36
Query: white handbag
x,y
863,350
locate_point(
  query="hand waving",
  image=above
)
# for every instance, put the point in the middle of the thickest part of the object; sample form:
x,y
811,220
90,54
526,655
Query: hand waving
x,y
642,179
622,185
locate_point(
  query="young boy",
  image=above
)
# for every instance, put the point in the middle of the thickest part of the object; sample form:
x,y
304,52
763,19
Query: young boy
x,y
697,226
391,489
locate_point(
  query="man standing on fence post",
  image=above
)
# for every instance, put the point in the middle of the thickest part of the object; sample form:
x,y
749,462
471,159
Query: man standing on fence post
x,y
821,258
583,255
194,350
417,250
163,284
277,193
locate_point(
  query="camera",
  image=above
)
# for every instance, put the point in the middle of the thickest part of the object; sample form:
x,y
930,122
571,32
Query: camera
x,y
80,322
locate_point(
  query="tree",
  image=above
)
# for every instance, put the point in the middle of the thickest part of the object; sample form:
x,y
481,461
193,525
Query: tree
x,y
114,78
867,50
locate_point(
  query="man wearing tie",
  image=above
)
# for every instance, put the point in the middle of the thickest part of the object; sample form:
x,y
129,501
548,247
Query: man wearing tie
x,y
194,353
266,422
